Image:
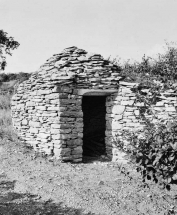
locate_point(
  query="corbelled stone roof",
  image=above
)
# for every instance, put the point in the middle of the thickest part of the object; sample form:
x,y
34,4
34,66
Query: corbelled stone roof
x,y
74,65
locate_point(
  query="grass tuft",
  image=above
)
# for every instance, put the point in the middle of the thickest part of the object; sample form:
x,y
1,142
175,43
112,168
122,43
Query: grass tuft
x,y
5,101
6,128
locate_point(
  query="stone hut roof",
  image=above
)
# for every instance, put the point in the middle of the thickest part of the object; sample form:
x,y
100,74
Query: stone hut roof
x,y
74,66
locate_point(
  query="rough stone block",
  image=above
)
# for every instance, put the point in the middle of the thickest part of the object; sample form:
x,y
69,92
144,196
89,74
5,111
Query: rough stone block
x,y
30,104
78,141
118,117
54,101
77,160
34,130
43,135
60,131
55,125
55,131
139,104
116,126
128,114
126,90
20,106
158,108
108,109
57,152
77,150
128,103
172,98
63,96
132,124
52,96
40,107
80,135
24,122
159,104
118,109
43,92
50,114
34,124
58,143
55,108
137,112
61,136
79,125
117,98
171,109
70,114
111,103
78,130
33,142
125,98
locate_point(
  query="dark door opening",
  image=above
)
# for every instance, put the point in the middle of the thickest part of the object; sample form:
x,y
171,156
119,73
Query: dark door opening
x,y
94,119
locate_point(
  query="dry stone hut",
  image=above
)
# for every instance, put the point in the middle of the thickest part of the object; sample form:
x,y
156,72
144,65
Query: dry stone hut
x,y
75,104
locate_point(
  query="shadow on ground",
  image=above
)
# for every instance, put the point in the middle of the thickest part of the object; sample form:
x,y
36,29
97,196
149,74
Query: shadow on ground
x,y
24,204
12,203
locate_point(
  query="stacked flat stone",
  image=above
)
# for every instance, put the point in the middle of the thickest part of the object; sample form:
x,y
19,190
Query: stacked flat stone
x,y
123,115
47,110
76,65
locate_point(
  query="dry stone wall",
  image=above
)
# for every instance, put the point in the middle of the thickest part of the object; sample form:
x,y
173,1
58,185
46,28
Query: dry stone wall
x,y
47,108
124,114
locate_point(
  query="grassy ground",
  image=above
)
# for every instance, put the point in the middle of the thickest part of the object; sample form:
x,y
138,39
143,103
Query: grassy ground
x,y
33,185
6,128
5,102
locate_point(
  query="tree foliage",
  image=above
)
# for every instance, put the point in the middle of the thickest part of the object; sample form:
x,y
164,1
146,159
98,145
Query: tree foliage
x,y
7,44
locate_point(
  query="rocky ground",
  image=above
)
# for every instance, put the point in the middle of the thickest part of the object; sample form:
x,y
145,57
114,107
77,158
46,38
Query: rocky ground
x,y
35,185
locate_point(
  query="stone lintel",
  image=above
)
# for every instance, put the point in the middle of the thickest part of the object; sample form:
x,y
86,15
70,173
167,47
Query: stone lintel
x,y
128,84
93,92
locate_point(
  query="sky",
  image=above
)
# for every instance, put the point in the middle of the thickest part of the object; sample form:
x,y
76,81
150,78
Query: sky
x,y
125,29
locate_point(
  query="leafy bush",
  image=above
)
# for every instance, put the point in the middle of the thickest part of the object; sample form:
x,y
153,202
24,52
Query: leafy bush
x,y
163,68
156,154
166,65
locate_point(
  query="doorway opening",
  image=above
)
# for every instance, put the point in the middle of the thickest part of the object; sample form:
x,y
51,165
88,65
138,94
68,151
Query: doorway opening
x,y
94,119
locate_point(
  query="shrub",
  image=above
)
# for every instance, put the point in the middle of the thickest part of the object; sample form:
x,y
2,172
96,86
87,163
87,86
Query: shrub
x,y
166,65
155,155
163,68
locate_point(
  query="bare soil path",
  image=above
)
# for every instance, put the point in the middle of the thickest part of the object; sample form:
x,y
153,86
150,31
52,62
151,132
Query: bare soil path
x,y
34,185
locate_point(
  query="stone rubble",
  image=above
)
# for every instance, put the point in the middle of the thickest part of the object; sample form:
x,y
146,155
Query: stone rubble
x,y
47,108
